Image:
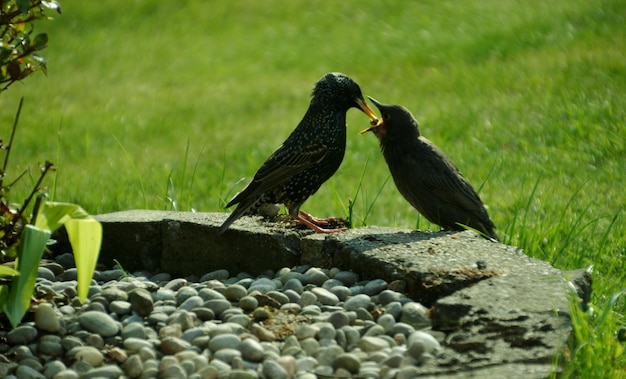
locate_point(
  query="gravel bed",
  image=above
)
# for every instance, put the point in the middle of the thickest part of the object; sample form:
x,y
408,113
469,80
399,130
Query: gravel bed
x,y
300,322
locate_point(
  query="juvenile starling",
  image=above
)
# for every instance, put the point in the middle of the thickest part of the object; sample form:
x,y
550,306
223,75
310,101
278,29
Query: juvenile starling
x,y
309,156
425,176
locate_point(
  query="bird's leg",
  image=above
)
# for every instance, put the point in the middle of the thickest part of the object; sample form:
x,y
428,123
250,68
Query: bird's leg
x,y
315,220
313,223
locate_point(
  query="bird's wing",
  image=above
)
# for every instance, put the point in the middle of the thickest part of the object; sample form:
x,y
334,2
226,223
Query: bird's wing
x,y
282,165
446,182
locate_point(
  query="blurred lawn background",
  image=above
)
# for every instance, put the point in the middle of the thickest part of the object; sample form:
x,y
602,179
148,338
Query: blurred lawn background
x,y
146,100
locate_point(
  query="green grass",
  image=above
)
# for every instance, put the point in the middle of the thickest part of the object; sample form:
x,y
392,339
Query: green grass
x,y
147,101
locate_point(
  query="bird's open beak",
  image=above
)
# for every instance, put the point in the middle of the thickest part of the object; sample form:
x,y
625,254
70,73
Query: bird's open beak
x,y
367,110
374,123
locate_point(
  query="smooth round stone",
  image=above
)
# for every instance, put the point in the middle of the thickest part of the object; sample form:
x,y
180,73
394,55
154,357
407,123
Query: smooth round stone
x,y
294,297
324,296
22,335
387,322
108,371
339,319
262,285
114,293
261,314
314,276
330,283
415,314
227,355
210,294
50,345
243,374
69,274
248,303
327,355
235,292
348,278
280,297
305,331
45,273
375,330
163,294
251,350
191,303
217,306
173,345
98,322
119,307
69,342
135,344
183,318
46,318
291,307
306,363
185,293
370,344
215,275
416,350
52,368
364,314
342,292
192,333
262,333
307,298
408,372
87,354
309,345
173,330
393,360
357,301
273,370
402,328
203,313
374,287
27,372
294,285
240,319
288,363
394,308
387,296
430,343
133,366
175,284
66,374
141,301
224,341
326,331
347,361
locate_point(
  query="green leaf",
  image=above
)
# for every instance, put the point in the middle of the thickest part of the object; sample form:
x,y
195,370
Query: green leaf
x,y
7,271
30,251
52,214
40,41
85,235
23,5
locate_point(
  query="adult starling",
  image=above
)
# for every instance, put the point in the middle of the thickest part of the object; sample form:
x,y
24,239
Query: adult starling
x,y
309,156
425,176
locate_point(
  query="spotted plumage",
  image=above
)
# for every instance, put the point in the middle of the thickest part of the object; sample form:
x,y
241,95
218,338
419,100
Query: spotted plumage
x,y
425,176
309,156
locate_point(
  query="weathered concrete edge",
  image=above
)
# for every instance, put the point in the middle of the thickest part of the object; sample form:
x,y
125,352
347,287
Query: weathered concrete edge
x,y
144,243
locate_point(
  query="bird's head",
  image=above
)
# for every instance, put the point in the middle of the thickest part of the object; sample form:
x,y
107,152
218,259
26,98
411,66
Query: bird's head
x,y
396,122
338,90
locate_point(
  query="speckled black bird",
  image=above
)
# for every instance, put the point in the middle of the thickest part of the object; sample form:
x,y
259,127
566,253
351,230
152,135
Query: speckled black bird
x,y
309,156
425,176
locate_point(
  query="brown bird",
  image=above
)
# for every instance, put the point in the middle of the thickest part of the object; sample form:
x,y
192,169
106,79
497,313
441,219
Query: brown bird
x,y
425,176
309,156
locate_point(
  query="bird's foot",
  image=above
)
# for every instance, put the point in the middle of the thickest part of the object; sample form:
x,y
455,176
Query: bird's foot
x,y
317,221
316,224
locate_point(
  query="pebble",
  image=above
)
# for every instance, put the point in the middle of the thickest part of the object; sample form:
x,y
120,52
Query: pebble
x,y
295,322
98,322
46,318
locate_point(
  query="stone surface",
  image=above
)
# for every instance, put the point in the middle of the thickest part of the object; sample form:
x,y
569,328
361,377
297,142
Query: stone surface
x,y
505,314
